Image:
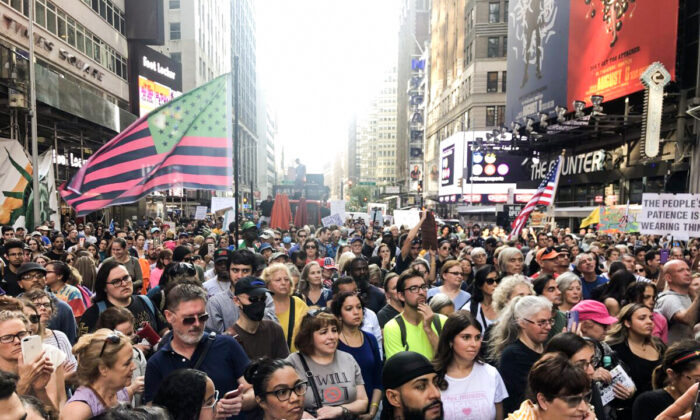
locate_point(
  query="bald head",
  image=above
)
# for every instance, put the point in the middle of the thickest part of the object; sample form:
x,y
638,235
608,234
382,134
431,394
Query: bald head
x,y
677,275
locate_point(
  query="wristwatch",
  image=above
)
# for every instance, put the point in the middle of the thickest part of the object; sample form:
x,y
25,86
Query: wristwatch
x,y
345,410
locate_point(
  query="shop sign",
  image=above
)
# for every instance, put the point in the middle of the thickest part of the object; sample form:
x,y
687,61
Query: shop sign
x,y
583,163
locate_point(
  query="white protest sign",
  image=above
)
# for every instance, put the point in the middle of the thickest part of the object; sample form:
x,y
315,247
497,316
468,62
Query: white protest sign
x,y
338,207
200,213
333,219
222,203
408,218
670,214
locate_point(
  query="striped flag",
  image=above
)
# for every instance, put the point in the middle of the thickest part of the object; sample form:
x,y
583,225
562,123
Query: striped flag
x,y
543,196
185,143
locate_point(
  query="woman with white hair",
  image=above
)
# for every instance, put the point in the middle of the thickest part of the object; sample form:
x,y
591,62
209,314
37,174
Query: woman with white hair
x,y
479,257
510,261
510,287
570,286
517,341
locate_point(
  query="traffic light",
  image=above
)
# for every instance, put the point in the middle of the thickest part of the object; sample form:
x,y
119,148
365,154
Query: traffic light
x,y
460,182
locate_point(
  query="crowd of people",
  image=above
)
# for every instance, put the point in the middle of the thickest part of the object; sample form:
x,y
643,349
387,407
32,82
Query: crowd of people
x,y
178,319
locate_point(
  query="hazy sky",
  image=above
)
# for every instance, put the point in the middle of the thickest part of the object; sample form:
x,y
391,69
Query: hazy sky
x,y
320,62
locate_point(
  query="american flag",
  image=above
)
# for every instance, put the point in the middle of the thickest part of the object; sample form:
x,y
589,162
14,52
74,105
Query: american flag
x,y
544,196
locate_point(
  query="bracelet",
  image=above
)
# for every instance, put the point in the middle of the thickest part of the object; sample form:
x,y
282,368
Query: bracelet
x,y
374,405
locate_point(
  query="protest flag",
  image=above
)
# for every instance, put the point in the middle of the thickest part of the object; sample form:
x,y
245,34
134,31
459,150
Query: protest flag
x,y
185,143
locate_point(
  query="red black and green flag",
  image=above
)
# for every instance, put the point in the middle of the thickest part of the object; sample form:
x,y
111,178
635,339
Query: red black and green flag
x,y
186,143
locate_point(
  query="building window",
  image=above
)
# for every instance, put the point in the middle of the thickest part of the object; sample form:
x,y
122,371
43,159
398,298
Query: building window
x,y
505,47
175,30
503,81
492,49
177,57
174,4
505,12
494,12
492,82
501,115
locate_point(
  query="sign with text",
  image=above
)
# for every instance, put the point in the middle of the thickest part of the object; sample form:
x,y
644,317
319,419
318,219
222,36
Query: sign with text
x,y
200,213
677,215
222,203
333,219
338,207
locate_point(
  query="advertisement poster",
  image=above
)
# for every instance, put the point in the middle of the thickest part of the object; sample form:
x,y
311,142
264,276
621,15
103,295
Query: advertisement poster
x,y
538,36
611,45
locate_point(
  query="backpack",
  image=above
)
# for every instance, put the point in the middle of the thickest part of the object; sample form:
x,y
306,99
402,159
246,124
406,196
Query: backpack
x,y
402,327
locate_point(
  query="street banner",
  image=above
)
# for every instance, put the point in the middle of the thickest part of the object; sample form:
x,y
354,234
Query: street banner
x,y
333,219
677,215
544,196
618,219
200,213
338,207
16,178
47,185
222,203
184,143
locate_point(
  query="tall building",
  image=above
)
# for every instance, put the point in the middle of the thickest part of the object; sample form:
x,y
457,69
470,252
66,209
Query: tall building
x,y
267,131
467,74
414,24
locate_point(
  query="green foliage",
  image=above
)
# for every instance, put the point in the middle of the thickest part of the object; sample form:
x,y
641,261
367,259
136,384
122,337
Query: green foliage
x,y
360,195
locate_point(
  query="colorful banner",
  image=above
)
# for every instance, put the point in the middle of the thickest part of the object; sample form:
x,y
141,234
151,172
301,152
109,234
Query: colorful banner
x,y
47,185
618,219
16,178
611,45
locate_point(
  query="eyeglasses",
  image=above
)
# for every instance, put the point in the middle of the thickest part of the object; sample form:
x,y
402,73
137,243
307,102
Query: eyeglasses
x,y
283,394
34,319
190,320
639,270
35,276
314,312
122,280
214,401
10,338
543,323
455,273
490,280
113,338
582,364
573,401
415,289
44,305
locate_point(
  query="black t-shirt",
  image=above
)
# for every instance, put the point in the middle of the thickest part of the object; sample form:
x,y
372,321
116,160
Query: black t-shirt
x,y
639,370
516,361
266,208
137,307
386,314
54,256
375,299
9,283
268,341
650,404
402,264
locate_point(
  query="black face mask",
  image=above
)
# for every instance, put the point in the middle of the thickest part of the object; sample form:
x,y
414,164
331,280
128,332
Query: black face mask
x,y
254,311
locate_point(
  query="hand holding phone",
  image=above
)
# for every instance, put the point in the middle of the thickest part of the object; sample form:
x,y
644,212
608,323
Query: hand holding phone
x,y
32,347
572,321
230,405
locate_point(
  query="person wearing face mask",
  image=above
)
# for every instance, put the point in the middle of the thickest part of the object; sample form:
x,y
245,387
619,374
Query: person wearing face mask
x,y
259,337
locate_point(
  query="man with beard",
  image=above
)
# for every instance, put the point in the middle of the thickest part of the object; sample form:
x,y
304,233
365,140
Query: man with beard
x,y
219,356
259,337
14,255
410,383
417,328
223,313
221,281
58,248
373,296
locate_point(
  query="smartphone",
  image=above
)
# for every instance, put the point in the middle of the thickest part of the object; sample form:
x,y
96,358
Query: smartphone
x,y
211,249
571,320
81,241
31,348
147,332
664,256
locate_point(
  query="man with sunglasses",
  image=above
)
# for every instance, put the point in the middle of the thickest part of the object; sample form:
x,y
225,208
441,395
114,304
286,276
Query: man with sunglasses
x,y
547,258
217,355
259,337
421,327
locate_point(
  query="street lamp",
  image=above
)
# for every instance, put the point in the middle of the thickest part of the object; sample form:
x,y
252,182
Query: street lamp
x,y
597,101
561,113
578,109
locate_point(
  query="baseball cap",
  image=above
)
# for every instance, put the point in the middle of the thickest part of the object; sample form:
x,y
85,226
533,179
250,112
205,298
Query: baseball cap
x,y
403,367
250,285
277,255
247,225
35,233
328,263
594,311
221,254
154,230
355,239
546,254
42,227
265,246
30,266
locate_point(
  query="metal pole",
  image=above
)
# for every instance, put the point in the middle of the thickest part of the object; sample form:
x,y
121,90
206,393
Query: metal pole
x,y
32,113
236,151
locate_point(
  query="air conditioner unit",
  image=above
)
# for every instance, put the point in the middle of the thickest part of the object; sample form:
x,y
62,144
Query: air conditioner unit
x,y
17,99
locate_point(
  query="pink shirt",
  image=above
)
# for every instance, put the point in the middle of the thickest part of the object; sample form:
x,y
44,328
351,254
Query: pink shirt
x,y
660,327
155,277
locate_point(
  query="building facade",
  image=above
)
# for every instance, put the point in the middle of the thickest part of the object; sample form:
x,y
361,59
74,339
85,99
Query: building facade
x,y
267,131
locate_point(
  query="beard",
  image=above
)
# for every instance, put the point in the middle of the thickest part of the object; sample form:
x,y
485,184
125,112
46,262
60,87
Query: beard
x,y
419,414
189,336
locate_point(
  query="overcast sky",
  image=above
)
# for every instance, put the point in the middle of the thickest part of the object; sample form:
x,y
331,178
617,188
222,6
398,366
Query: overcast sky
x,y
320,62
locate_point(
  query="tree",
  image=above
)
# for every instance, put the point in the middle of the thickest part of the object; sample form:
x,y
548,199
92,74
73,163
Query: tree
x,y
360,195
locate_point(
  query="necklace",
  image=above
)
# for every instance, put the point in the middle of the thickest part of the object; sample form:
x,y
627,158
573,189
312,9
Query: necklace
x,y
353,337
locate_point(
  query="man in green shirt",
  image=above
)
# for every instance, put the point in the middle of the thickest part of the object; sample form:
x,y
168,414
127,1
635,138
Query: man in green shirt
x,y
417,328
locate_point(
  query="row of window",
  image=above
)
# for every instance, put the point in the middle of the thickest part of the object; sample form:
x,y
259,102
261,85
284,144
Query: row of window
x,y
492,82
497,46
56,21
495,12
495,115
109,12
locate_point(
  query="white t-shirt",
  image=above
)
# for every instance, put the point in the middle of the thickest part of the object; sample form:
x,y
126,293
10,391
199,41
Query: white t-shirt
x,y
474,397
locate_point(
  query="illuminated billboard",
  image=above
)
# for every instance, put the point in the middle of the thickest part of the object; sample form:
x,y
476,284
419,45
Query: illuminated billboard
x,y
611,46
156,79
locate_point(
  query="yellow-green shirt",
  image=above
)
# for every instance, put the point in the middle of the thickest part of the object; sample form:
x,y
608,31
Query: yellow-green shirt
x,y
300,310
416,339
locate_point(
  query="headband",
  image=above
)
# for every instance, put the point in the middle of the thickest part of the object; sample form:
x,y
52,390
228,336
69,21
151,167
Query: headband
x,y
689,356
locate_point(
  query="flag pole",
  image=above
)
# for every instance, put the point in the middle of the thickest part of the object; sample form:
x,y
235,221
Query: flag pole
x,y
550,209
32,113
236,151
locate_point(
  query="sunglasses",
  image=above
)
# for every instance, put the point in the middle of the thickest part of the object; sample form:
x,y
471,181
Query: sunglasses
x,y
190,320
34,319
573,401
113,338
315,312
491,280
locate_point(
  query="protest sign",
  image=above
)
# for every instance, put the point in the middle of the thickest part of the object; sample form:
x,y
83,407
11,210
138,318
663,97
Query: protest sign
x,y
222,203
333,219
407,218
338,207
677,215
617,219
200,213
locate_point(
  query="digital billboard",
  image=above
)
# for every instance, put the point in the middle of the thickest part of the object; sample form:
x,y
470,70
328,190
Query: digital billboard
x,y
495,163
158,79
611,45
538,36
452,164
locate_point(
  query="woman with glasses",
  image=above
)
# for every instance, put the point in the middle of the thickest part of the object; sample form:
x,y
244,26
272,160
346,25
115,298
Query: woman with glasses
x,y
104,372
311,249
545,285
581,353
571,291
467,272
187,394
310,287
58,275
471,388
678,372
318,353
558,390
637,349
289,309
645,293
279,390
481,303
114,287
68,258
451,275
517,341
510,261
37,378
444,254
118,248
